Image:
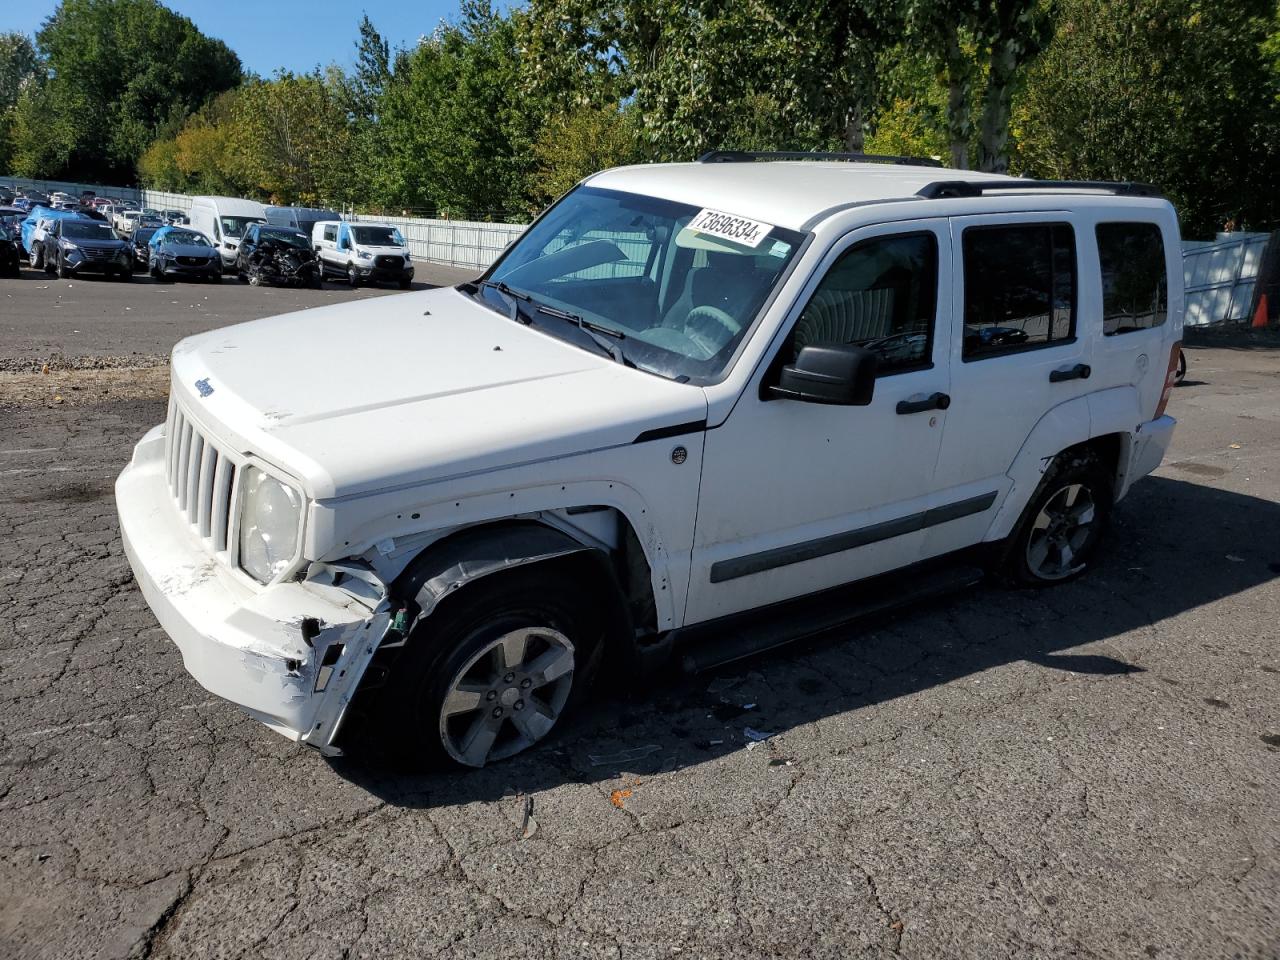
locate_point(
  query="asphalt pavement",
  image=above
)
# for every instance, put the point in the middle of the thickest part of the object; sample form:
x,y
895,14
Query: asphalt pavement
x,y
1090,771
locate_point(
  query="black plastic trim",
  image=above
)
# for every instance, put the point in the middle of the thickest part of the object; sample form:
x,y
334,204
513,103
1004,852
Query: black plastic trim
x,y
675,430
952,189
850,539
750,156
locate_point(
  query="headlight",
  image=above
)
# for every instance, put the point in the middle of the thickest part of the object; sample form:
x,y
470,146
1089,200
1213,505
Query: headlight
x,y
270,512
365,255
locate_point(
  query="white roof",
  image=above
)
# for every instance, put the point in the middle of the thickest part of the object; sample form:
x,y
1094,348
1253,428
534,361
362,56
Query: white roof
x,y
786,193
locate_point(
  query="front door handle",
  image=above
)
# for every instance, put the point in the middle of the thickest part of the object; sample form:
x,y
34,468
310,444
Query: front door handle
x,y
935,401
1080,371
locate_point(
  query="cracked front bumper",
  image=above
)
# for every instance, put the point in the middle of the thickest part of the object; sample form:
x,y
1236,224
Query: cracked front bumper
x,y
243,643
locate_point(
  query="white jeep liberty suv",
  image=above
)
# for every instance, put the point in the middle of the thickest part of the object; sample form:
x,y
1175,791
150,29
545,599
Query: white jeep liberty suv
x,y
682,414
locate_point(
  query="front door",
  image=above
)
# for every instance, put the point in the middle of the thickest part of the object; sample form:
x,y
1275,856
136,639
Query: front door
x,y
797,497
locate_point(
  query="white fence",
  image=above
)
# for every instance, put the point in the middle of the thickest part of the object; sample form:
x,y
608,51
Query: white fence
x,y
1220,276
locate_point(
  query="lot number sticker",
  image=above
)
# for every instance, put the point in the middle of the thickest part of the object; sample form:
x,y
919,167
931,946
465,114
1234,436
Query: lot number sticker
x,y
749,233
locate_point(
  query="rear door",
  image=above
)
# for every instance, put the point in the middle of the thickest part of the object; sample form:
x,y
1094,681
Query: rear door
x,y
1017,352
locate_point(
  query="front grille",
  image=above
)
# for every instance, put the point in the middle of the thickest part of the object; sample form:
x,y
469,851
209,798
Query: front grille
x,y
193,261
91,253
201,477
389,263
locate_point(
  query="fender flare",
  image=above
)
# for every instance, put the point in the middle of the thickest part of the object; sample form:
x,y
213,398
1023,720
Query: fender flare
x,y
474,553
1115,410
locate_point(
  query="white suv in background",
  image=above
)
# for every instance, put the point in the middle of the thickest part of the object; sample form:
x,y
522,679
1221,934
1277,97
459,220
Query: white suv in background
x,y
362,252
680,415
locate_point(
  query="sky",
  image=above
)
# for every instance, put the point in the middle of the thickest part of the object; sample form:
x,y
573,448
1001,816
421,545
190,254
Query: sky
x,y
272,34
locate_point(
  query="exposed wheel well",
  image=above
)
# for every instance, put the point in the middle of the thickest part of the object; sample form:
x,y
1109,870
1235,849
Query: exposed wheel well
x,y
615,575
1109,449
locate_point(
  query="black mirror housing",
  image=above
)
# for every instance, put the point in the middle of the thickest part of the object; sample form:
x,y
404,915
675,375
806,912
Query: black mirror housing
x,y
834,373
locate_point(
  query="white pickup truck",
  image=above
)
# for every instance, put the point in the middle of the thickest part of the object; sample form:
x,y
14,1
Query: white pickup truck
x,y
680,415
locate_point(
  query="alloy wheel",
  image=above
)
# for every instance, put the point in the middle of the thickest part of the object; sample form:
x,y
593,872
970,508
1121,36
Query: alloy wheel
x,y
508,696
1060,533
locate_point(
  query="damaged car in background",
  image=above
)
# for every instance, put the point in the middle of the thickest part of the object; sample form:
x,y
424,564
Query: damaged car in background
x,y
694,411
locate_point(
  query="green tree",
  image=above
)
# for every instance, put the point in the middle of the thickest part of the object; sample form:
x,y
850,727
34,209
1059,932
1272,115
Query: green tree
x,y
579,143
121,72
982,49
1173,92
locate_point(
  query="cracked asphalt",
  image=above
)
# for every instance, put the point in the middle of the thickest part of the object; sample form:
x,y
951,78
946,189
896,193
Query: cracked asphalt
x,y
1091,771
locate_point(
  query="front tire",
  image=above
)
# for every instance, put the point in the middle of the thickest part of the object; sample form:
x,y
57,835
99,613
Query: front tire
x,y
493,671
353,277
60,268
1060,530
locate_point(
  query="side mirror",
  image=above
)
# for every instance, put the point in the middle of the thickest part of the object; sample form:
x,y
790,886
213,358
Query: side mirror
x,y
835,373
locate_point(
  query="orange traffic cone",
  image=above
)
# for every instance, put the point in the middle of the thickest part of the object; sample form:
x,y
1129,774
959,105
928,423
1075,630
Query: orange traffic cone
x,y
1260,315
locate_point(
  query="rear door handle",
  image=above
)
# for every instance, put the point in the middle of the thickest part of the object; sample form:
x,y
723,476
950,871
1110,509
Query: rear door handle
x,y
1080,371
935,401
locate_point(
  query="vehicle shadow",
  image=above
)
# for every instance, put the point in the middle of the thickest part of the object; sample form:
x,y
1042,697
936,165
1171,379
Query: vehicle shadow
x,y
1174,546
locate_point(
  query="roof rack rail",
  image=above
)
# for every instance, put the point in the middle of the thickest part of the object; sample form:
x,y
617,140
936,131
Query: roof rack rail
x,y
750,156
950,189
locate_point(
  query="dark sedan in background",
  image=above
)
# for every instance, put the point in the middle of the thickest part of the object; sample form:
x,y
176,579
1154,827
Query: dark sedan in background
x,y
74,246
178,253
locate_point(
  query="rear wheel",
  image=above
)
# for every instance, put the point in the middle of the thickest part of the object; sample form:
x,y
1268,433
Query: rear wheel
x,y
493,671
1059,532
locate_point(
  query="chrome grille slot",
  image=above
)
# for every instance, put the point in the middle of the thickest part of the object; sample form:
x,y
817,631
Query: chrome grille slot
x,y
201,478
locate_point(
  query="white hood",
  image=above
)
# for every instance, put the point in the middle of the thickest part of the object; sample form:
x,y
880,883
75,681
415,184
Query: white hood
x,y
413,388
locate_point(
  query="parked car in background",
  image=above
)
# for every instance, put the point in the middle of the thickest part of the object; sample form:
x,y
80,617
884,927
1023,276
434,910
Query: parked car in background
x,y
22,203
6,196
224,220
140,242
177,253
36,229
174,217
76,246
10,241
11,221
126,220
277,255
37,198
299,218
149,221
362,252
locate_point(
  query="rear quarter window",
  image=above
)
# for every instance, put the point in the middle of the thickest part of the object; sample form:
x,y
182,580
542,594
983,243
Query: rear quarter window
x,y
1135,288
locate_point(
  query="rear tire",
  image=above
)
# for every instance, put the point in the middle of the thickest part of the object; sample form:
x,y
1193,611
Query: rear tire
x,y
492,671
1059,532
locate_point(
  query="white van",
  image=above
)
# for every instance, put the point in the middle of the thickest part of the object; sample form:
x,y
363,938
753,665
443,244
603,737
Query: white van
x,y
362,252
686,408
300,218
223,220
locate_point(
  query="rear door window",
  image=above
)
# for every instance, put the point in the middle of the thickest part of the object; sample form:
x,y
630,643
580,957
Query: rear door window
x,y
1135,286
1019,288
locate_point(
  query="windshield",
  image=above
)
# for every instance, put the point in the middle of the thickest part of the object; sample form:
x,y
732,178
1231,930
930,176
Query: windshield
x,y
86,231
185,238
683,299
235,226
143,236
377,236
290,237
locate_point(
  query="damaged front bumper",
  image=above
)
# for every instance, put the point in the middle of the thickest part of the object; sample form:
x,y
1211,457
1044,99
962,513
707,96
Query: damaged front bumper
x,y
291,654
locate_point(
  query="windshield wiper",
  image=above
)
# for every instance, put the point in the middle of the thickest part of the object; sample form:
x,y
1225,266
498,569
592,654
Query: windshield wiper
x,y
592,330
598,332
513,295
